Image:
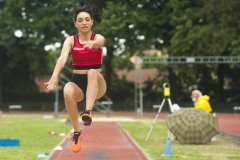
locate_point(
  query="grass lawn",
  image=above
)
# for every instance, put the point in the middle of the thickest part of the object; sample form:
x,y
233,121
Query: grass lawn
x,y
32,131
216,150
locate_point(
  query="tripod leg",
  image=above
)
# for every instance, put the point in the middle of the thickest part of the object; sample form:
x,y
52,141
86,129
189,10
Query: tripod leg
x,y
170,105
159,110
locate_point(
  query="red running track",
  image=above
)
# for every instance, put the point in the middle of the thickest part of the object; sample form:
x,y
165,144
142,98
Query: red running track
x,y
229,123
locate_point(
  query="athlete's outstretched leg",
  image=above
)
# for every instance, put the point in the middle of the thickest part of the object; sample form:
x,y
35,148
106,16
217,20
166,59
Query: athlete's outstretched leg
x,y
71,95
70,99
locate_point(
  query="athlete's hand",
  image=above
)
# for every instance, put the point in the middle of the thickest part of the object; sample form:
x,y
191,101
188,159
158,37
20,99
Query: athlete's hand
x,y
52,83
89,44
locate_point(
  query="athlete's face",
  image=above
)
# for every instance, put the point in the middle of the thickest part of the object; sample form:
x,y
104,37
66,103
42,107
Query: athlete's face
x,y
84,22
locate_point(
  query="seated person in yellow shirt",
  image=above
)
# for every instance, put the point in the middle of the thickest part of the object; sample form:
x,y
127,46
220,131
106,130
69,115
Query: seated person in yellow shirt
x,y
201,101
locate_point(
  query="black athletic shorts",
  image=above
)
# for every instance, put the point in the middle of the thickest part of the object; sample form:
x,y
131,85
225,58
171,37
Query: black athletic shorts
x,y
81,80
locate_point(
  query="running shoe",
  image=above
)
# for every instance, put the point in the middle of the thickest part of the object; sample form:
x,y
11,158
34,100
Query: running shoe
x,y
86,117
77,137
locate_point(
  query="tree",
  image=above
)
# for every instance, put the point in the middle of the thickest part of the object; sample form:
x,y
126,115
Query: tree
x,y
37,24
178,27
27,27
131,22
206,28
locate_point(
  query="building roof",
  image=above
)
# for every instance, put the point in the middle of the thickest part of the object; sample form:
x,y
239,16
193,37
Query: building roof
x,y
145,74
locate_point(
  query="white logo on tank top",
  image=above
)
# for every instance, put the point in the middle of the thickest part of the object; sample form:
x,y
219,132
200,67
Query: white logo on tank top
x,y
78,49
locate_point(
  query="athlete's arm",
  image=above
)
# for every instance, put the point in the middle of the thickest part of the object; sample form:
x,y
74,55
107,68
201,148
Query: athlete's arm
x,y
67,45
97,43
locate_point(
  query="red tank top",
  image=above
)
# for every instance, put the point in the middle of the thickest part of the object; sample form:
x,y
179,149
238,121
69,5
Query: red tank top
x,y
85,58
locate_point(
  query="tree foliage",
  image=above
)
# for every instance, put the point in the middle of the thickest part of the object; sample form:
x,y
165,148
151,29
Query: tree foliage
x,y
38,24
180,28
204,28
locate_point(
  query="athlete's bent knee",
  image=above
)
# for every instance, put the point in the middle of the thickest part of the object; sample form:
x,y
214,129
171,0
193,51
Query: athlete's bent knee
x,y
69,92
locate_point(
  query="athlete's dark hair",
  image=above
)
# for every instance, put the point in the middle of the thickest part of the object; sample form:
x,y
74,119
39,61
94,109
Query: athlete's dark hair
x,y
92,10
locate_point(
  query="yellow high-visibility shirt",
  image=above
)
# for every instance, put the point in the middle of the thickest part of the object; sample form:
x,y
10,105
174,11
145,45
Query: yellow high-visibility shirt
x,y
202,102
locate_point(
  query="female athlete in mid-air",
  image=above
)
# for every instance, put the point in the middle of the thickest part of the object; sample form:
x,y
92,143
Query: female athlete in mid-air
x,y
87,82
